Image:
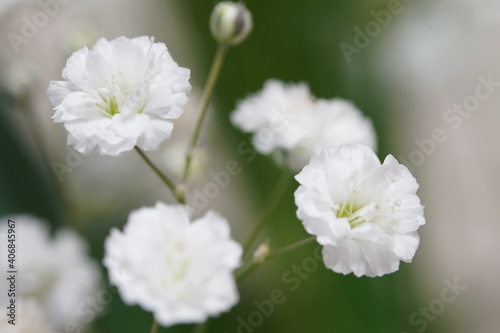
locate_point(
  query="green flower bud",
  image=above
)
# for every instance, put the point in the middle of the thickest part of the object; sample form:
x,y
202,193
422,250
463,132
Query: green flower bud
x,y
230,22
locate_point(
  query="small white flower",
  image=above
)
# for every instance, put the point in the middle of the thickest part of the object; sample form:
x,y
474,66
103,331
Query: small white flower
x,y
120,94
364,213
181,271
273,115
56,272
334,122
288,122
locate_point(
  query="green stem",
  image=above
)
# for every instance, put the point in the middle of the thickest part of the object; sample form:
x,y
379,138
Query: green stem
x,y
252,265
154,327
47,157
160,174
245,270
292,247
203,108
279,191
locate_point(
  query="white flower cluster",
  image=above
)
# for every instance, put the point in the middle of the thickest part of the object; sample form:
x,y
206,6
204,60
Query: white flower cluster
x,y
289,122
54,272
365,214
182,271
120,94
124,93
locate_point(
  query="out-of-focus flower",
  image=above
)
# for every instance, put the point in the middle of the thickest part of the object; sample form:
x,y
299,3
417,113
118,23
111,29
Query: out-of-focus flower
x,y
334,122
56,272
29,318
288,122
230,22
271,115
181,271
21,77
364,213
120,94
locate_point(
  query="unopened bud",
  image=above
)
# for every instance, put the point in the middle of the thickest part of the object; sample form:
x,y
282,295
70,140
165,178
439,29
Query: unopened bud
x,y
262,253
181,191
230,22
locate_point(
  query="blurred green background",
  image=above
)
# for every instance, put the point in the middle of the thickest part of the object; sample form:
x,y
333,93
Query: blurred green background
x,y
294,41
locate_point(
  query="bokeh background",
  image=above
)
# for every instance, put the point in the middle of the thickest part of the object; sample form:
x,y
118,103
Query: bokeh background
x,y
422,60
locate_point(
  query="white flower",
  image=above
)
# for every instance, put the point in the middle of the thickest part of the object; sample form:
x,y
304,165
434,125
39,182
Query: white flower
x,y
120,94
29,318
364,213
181,271
56,272
334,122
287,121
272,113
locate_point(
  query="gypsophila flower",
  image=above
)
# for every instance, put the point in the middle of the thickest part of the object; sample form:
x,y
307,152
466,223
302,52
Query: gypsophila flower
x,y
364,213
272,115
289,123
182,271
334,122
120,94
56,272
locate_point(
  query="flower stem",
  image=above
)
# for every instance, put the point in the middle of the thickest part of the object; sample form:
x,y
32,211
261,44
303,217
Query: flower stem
x,y
160,174
279,191
203,108
292,246
252,265
154,327
245,270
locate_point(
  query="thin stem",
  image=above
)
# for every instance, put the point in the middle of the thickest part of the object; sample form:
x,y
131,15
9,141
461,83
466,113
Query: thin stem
x,y
252,265
160,174
292,247
202,328
154,327
203,108
279,191
246,269
47,156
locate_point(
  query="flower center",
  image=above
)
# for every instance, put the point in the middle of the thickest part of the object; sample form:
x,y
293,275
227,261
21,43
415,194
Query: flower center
x,y
178,263
120,95
353,212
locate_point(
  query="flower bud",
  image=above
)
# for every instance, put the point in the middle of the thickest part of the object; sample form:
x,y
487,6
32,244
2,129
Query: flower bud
x,y
262,253
230,22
